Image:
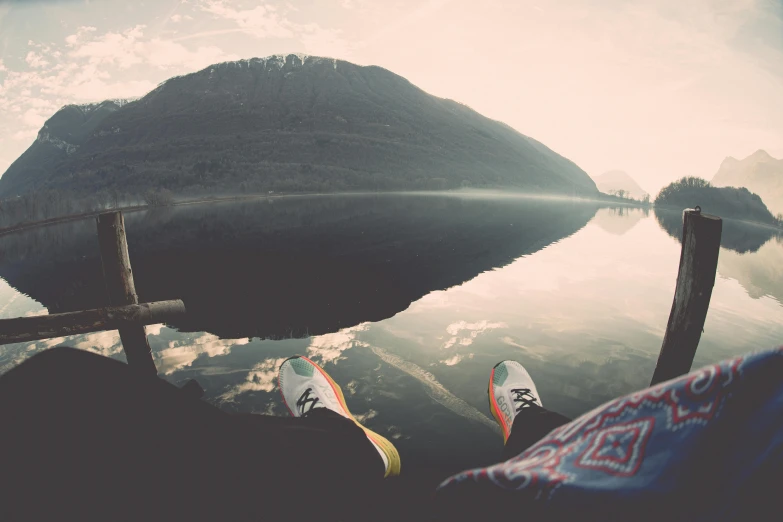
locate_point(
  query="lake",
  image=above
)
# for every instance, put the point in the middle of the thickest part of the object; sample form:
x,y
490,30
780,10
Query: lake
x,y
406,300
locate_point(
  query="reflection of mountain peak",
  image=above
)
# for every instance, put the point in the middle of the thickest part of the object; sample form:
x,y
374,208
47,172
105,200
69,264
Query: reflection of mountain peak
x,y
618,221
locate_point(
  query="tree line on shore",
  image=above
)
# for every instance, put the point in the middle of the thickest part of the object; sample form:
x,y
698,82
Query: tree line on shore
x,y
728,202
51,204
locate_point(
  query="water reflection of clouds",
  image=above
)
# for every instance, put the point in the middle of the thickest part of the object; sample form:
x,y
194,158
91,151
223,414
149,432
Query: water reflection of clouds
x,y
182,353
154,329
323,349
538,352
472,331
329,348
15,304
456,359
103,343
261,378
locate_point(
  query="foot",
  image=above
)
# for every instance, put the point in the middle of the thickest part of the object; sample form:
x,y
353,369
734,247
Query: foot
x,y
306,386
510,390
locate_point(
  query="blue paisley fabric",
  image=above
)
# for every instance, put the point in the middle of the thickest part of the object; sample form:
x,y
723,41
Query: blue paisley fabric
x,y
706,446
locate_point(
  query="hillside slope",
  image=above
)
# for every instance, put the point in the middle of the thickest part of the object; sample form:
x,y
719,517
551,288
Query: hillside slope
x,y
760,173
288,123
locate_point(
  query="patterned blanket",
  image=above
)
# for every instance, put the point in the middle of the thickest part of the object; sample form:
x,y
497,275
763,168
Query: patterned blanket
x,y
706,446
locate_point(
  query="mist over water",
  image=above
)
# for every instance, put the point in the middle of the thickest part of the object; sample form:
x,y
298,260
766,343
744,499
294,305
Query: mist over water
x,y
407,301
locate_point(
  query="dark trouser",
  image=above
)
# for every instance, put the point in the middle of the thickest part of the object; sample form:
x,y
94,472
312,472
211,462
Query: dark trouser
x,y
530,426
83,437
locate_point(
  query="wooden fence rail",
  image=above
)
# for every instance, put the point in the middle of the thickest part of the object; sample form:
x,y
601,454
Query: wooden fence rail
x,y
25,329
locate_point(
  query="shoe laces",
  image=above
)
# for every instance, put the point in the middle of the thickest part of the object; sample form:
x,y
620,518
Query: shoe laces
x,y
524,397
306,402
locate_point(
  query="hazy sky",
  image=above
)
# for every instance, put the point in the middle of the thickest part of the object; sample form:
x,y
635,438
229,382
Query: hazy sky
x,y
659,88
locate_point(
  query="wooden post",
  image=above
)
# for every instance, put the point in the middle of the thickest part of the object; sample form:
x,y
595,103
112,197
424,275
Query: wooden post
x,y
119,284
698,265
26,329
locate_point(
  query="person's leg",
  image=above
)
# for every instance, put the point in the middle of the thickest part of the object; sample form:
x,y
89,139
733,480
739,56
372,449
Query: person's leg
x,y
531,424
516,406
86,438
306,387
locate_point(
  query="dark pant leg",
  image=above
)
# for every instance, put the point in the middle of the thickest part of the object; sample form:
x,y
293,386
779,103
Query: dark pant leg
x,y
531,425
84,437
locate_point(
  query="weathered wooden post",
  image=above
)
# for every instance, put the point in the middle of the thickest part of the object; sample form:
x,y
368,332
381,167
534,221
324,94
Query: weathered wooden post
x,y
698,265
119,285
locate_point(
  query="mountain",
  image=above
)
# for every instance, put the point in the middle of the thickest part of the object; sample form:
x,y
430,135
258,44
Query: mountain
x,y
760,173
293,123
612,181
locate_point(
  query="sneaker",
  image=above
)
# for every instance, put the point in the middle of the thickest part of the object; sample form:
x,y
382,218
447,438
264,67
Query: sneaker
x,y
305,386
510,390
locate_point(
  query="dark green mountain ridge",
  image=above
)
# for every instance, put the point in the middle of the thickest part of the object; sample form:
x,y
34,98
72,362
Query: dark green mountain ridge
x,y
293,123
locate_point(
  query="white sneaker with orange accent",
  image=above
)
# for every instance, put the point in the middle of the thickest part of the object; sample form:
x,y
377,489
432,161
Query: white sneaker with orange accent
x,y
510,390
304,386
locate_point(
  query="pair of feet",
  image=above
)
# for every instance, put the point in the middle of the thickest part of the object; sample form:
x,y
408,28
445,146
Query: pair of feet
x,y
306,386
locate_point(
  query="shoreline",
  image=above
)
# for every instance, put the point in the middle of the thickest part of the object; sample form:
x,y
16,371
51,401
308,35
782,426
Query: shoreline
x,y
134,208
138,208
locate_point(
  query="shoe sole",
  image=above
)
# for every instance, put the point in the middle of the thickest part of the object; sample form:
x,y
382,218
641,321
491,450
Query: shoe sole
x,y
393,469
493,405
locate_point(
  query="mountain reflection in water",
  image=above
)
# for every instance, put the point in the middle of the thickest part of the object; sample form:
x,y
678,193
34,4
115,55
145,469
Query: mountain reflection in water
x,y
292,267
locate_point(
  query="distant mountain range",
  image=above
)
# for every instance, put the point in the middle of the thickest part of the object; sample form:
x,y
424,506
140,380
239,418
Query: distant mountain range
x,y
760,173
287,123
615,180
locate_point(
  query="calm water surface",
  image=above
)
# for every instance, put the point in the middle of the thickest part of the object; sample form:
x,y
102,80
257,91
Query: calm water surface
x,y
406,301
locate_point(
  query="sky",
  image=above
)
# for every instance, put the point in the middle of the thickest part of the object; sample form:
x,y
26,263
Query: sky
x,y
658,88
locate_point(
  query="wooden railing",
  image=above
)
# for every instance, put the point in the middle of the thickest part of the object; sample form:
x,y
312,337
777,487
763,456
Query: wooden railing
x,y
125,313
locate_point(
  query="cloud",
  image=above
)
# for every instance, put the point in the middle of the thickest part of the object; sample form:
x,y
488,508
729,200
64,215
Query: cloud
x,y
183,353
22,135
262,21
109,48
329,347
364,417
154,329
260,378
176,18
168,54
267,21
90,66
472,330
103,343
33,118
451,361
35,60
130,48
